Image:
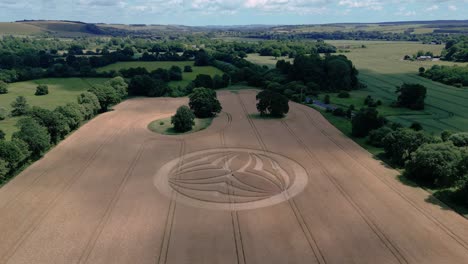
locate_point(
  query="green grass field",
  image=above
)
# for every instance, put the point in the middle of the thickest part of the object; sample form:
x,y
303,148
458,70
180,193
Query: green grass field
x,y
153,65
61,91
381,67
265,60
164,126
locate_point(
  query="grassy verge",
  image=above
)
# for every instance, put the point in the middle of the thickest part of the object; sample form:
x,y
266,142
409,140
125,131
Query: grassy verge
x,y
164,126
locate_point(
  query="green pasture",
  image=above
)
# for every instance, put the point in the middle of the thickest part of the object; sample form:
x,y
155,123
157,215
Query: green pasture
x,y
153,65
61,91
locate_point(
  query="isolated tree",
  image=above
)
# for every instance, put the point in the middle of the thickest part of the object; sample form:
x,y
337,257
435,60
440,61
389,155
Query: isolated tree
x,y
400,143
3,87
19,106
411,96
365,120
421,71
435,164
106,96
42,89
183,120
188,68
204,103
459,139
36,136
272,103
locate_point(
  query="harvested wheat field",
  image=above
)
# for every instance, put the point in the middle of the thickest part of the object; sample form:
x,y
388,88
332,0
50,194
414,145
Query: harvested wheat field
x,y
245,190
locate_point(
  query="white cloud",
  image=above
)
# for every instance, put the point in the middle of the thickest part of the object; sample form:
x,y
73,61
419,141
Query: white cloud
x,y
452,8
368,4
432,8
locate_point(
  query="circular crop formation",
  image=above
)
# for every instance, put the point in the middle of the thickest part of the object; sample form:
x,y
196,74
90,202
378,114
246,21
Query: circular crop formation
x,y
231,179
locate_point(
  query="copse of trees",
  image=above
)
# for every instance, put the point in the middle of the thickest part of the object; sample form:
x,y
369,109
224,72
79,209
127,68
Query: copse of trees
x,y
411,96
451,75
204,103
106,95
183,120
55,123
34,135
456,49
272,103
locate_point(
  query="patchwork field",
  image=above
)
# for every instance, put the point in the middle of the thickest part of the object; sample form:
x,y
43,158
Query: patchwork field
x,y
153,65
61,91
244,190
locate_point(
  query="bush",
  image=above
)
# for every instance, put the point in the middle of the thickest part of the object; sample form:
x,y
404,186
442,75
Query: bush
x,y
344,95
188,68
3,87
204,103
376,136
42,89
183,120
435,164
459,139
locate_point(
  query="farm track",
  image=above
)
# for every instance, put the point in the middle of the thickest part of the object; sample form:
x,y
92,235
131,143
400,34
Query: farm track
x,y
95,199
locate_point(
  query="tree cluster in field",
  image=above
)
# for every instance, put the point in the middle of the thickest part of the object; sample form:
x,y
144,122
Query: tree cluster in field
x,y
40,128
436,162
203,103
456,49
451,75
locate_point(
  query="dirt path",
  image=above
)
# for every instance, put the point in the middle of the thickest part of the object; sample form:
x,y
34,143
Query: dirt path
x,y
246,190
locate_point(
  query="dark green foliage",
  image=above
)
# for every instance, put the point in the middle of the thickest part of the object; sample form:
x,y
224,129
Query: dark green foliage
x,y
188,68
203,80
326,99
204,103
435,164
445,135
365,120
3,87
411,96
416,126
34,135
13,152
399,144
456,50
459,139
376,136
175,73
20,106
2,135
202,58
144,85
72,113
106,95
344,95
55,122
339,112
421,70
183,120
3,169
272,103
451,75
42,89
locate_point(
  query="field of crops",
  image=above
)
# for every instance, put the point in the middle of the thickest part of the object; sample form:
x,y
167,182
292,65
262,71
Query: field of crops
x,y
153,65
61,91
381,67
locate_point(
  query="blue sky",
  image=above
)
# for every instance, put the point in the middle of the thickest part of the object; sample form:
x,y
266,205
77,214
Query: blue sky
x,y
233,12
